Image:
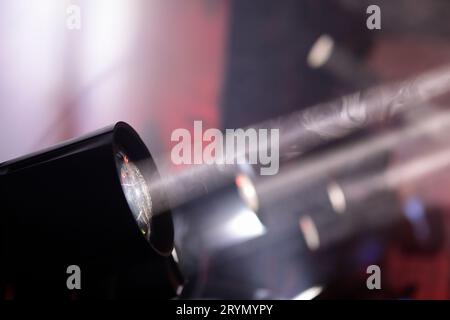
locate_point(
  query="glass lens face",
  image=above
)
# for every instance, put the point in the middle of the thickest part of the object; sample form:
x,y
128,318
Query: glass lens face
x,y
136,192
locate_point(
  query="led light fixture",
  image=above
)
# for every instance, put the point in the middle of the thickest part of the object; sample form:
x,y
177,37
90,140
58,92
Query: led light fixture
x,y
87,203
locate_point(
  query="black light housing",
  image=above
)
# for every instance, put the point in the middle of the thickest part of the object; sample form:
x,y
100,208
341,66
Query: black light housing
x,y
72,205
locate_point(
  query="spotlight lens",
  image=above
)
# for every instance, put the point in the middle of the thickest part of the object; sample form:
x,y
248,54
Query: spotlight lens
x,y
136,192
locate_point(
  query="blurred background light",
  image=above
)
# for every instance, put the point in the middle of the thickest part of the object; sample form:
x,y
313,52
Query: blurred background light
x,y
309,294
245,225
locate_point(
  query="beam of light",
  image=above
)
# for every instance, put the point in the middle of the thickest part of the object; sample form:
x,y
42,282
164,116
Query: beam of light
x,y
301,131
411,171
297,177
358,190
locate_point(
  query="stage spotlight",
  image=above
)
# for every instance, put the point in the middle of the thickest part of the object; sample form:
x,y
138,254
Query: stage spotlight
x,y
86,202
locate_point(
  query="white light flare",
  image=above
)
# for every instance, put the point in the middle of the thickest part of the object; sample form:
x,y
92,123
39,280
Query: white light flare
x,y
320,51
309,294
245,225
310,232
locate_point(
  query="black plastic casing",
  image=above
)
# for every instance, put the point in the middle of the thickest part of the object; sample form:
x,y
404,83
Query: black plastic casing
x,y
65,206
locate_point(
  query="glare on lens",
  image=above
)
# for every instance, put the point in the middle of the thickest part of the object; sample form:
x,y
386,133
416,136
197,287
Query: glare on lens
x,y
136,192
